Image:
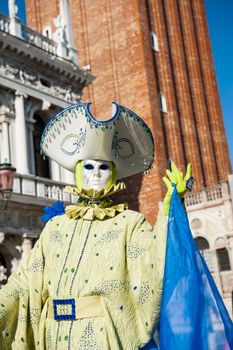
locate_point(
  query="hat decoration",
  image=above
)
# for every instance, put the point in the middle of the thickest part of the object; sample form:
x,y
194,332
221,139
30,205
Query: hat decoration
x,y
74,134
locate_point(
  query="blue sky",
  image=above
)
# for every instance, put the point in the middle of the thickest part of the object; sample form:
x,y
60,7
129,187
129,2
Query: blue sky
x,y
20,5
219,14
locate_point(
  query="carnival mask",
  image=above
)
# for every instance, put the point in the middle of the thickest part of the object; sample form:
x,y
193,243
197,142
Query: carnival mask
x,y
96,174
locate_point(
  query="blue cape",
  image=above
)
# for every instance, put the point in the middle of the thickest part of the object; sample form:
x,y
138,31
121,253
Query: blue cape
x,y
193,315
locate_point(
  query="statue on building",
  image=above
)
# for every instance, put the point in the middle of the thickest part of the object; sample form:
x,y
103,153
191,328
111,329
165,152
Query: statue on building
x,y
12,8
60,34
96,276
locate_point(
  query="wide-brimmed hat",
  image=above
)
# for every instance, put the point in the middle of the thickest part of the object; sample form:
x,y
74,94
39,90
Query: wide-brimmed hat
x,y
74,134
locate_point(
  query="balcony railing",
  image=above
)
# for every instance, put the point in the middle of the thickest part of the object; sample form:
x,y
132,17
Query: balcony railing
x,y
39,40
4,23
209,196
38,187
53,47
45,188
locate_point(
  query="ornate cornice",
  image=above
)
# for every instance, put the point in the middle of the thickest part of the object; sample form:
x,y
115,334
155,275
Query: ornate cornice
x,y
29,66
48,60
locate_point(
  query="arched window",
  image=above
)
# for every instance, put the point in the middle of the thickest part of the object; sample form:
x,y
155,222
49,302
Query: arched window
x,y
204,248
223,259
41,165
202,243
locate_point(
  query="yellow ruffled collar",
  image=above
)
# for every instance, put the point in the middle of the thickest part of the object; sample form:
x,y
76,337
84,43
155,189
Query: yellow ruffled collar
x,y
94,204
93,194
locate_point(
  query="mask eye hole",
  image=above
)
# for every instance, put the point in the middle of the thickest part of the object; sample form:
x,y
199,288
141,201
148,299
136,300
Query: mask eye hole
x,y
88,166
104,167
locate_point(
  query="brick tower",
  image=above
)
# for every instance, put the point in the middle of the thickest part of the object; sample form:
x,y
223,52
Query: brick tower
x,y
153,56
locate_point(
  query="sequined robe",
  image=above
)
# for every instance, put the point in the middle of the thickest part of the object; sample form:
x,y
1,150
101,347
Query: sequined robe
x,y
119,258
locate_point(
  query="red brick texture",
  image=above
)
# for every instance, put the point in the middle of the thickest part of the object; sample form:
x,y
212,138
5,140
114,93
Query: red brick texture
x,y
114,38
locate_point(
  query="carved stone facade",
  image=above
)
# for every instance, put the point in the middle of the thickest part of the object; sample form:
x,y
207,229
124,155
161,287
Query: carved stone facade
x,y
40,80
38,77
211,221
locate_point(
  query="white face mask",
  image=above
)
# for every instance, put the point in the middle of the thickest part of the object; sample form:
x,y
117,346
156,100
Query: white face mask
x,y
96,174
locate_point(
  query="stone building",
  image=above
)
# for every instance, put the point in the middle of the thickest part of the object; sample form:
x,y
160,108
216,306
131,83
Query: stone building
x,y
38,77
154,56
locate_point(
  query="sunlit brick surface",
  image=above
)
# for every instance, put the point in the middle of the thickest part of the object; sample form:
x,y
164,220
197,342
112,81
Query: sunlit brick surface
x,y
113,37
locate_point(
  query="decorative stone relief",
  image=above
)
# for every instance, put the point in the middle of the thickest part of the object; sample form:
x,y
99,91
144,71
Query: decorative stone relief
x,y
68,96
6,102
46,105
30,77
10,71
27,76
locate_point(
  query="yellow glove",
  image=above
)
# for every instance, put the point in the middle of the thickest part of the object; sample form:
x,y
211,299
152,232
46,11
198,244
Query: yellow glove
x,y
175,176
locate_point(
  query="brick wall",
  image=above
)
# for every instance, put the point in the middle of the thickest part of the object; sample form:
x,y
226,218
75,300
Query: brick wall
x,y
114,38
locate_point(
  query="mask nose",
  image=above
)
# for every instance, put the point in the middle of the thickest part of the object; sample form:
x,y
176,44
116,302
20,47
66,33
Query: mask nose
x,y
97,172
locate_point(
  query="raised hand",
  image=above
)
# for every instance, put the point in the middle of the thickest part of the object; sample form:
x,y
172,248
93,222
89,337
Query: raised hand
x,y
175,176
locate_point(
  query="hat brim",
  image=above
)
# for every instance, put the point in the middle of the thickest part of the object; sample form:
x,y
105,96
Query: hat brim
x,y
74,134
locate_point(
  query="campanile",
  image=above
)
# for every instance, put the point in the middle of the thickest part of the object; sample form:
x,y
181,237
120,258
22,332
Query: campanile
x,y
154,57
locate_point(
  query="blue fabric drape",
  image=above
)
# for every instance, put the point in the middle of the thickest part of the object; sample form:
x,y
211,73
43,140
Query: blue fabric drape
x,y
193,315
58,208
150,346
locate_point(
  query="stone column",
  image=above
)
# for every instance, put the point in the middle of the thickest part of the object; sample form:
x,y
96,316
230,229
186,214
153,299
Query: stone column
x,y
20,135
31,146
55,169
69,177
60,37
66,21
15,23
5,142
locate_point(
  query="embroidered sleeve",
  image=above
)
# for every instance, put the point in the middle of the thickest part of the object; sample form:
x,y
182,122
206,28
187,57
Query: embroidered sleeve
x,y
22,298
145,261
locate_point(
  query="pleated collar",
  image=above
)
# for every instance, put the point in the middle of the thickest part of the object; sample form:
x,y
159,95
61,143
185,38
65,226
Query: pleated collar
x,y
94,204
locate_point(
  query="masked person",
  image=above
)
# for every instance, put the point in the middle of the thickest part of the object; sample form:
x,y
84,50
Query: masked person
x,y
94,278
